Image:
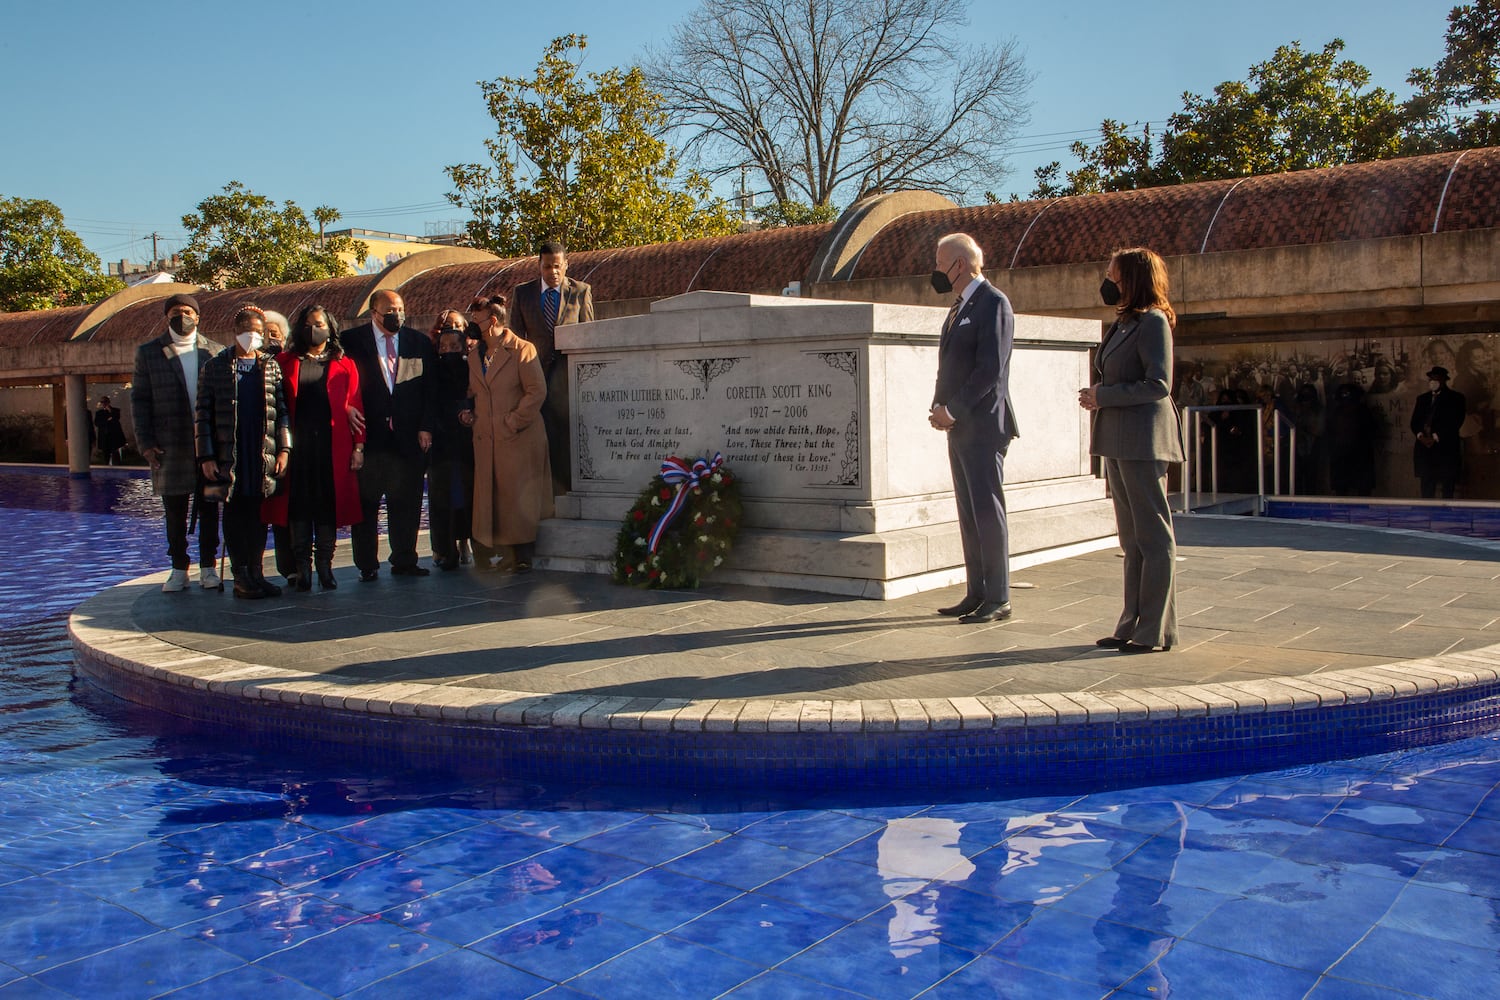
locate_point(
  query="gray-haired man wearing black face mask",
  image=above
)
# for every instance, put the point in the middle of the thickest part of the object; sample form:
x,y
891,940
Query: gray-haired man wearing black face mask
x,y
971,404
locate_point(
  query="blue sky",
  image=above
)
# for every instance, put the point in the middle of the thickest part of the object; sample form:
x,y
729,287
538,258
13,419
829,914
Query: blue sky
x,y
127,118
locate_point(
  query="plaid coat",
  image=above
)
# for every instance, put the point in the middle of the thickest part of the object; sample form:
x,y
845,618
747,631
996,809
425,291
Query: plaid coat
x,y
163,413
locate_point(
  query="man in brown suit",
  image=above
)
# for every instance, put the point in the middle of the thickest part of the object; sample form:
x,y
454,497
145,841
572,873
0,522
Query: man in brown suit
x,y
537,309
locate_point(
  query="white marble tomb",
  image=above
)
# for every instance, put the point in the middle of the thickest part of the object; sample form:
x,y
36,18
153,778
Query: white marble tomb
x,y
820,408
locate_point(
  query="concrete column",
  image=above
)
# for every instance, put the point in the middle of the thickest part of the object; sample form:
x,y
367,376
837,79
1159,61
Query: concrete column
x,y
77,391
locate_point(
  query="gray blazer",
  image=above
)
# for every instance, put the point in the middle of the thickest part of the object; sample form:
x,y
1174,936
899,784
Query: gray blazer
x,y
1136,419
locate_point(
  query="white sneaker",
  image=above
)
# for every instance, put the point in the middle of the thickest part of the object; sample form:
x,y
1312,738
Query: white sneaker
x,y
208,579
176,581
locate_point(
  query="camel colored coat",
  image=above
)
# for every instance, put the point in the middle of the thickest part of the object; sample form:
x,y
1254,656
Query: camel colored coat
x,y
512,478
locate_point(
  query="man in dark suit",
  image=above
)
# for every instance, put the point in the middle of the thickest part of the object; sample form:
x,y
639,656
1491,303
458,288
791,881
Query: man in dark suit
x,y
163,393
1437,457
537,309
972,404
395,364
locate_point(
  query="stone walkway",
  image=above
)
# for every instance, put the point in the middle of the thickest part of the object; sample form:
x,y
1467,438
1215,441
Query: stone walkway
x,y
1320,612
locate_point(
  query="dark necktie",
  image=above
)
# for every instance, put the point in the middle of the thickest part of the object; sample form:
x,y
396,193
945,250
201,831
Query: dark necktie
x,y
953,313
551,300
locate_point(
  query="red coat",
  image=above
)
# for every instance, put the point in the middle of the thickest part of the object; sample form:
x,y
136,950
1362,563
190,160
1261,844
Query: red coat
x,y
343,392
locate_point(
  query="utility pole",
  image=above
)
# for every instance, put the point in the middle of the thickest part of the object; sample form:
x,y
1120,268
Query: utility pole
x,y
154,255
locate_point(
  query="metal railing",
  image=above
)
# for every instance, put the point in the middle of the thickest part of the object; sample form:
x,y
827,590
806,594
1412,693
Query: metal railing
x,y
1193,464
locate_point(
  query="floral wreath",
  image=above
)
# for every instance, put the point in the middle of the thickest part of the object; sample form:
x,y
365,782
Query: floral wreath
x,y
682,525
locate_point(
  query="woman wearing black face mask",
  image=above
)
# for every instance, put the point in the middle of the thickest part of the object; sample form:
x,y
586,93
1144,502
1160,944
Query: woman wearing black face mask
x,y
450,479
512,475
1136,431
322,385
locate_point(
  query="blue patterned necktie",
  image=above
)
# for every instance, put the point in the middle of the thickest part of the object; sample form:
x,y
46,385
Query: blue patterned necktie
x,y
551,299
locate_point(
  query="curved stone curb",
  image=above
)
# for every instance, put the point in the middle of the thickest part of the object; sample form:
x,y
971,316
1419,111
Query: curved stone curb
x,y
104,633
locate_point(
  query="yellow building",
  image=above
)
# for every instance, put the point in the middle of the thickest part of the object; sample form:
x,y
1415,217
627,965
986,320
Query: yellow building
x,y
386,249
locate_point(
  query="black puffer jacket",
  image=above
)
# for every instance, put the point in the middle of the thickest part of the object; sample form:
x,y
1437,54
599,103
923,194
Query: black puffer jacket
x,y
218,417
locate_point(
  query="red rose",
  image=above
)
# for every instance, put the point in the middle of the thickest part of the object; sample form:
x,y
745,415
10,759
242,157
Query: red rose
x,y
655,573
640,515
666,494
702,554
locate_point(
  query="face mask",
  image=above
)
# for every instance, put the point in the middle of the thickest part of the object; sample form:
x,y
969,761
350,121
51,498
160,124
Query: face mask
x,y
317,336
391,321
248,342
941,283
1109,292
183,326
474,332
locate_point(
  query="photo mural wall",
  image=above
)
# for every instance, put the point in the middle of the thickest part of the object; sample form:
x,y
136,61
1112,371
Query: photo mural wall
x,y
1351,401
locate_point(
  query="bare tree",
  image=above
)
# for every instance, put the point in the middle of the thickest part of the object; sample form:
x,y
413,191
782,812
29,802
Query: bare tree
x,y
843,98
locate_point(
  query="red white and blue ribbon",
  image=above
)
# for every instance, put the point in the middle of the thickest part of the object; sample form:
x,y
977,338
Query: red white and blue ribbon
x,y
676,472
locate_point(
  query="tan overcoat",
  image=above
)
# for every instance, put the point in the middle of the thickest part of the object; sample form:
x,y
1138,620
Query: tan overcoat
x,y
512,478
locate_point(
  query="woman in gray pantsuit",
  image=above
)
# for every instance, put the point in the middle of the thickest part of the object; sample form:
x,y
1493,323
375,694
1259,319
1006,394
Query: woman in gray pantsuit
x,y
1136,431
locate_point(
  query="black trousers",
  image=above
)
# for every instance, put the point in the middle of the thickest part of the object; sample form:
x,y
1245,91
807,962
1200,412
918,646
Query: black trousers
x,y
244,533
397,479
450,505
175,516
555,421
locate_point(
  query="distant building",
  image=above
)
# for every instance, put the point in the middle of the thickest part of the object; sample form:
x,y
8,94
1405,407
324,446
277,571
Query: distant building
x,y
153,272
386,249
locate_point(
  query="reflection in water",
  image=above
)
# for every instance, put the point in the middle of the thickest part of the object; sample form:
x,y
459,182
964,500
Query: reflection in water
x,y
910,854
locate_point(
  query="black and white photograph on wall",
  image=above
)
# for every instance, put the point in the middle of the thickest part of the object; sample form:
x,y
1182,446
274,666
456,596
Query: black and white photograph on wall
x,y
1352,404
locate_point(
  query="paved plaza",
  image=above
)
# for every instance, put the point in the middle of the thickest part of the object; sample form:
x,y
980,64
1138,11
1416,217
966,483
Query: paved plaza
x,y
1259,600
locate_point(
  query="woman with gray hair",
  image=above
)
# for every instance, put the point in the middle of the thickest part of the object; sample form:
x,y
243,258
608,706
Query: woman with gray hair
x,y
276,330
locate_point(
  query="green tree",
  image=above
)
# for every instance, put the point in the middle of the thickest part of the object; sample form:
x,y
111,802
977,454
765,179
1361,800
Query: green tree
x,y
43,263
1295,111
794,213
1446,110
580,158
240,239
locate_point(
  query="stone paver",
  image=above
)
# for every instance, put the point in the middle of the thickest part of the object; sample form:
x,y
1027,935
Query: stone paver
x,y
1275,615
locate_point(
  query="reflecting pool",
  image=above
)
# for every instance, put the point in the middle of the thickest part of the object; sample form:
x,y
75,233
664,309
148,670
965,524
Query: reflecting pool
x,y
138,859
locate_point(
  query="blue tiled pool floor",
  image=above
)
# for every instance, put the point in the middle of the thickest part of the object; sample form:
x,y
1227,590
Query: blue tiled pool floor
x,y
139,861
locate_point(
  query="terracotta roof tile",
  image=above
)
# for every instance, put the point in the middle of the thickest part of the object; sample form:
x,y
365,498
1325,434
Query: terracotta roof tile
x,y
1473,197
43,326
1362,201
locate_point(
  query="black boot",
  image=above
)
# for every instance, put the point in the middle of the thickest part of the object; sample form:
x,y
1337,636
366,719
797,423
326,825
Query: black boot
x,y
258,578
245,586
301,543
327,540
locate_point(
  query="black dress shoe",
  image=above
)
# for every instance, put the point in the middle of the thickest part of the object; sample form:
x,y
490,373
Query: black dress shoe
x,y
410,571
365,576
989,611
1137,647
1110,642
963,607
